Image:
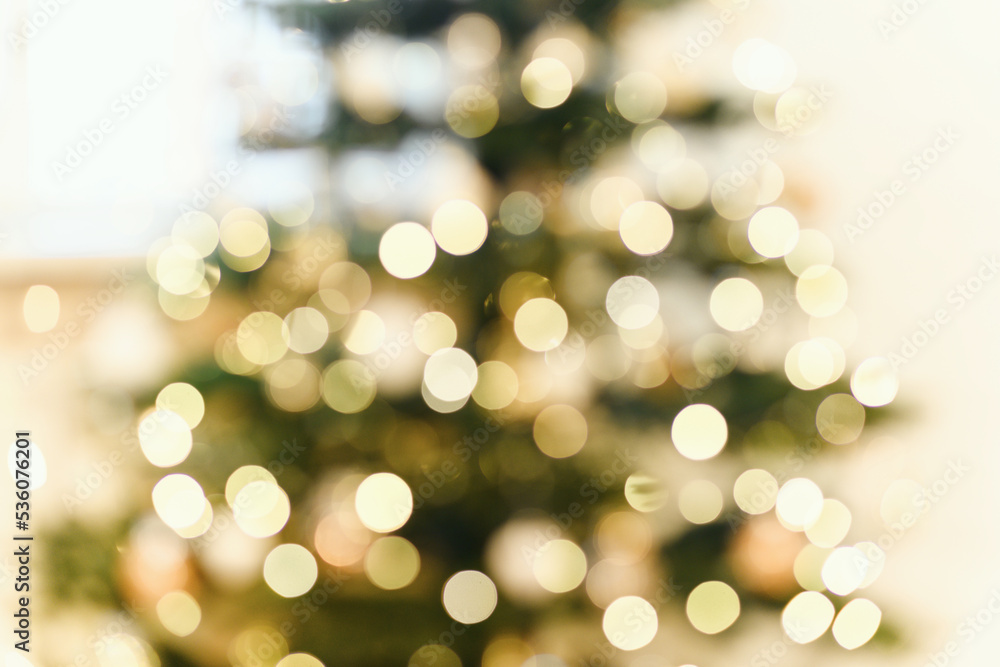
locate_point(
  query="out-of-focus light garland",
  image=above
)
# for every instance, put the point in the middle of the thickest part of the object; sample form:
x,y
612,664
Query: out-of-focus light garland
x,y
540,362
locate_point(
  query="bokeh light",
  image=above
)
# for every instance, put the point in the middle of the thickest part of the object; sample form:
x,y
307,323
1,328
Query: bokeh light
x,y
290,570
469,597
383,502
630,622
699,432
407,250
712,607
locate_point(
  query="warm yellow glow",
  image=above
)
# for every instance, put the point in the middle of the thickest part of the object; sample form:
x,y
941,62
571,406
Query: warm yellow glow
x,y
546,82
699,432
344,288
560,431
41,308
736,304
761,65
646,228
799,503
262,338
831,527
560,566
844,570
294,385
179,613
521,213
392,563
521,287
179,500
876,562
540,324
632,302
307,330
296,209
469,597
261,508
299,660
472,111
660,146
645,337
434,655
290,570
874,382
640,97
773,231
243,476
450,374
821,291
630,623
815,363
434,331
244,238
807,566
712,607
813,248
474,40
856,623
459,227
840,419
645,493
497,385
683,185
183,399
165,438
807,616
609,199
700,501
407,250
198,231
183,307
383,502
566,51
348,386
365,333
180,270
755,491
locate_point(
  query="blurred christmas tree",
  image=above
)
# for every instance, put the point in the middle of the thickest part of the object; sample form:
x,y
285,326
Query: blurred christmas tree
x,y
544,424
